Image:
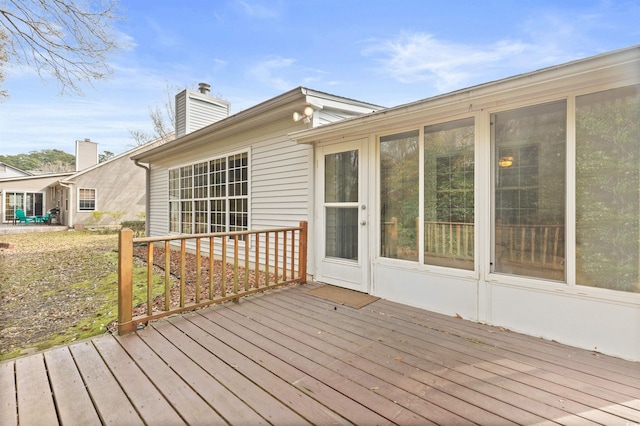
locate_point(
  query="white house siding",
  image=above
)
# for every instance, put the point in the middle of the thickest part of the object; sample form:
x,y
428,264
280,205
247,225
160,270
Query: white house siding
x,y
593,318
280,178
158,214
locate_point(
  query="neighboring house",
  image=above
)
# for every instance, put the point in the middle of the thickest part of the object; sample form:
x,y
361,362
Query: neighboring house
x,y
9,171
102,192
33,194
116,185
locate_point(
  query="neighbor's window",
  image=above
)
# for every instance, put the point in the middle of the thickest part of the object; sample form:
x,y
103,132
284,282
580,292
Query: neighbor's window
x,y
399,195
448,194
529,146
86,199
608,189
210,196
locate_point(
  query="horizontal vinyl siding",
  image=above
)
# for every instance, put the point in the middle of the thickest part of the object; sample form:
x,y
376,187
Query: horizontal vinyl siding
x,y
159,202
201,114
281,184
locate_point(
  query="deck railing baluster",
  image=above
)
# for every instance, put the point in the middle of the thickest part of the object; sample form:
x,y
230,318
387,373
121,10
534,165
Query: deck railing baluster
x,y
198,269
271,258
150,278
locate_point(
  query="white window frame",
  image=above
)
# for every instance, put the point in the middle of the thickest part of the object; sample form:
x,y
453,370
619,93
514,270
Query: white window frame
x,y
95,200
209,198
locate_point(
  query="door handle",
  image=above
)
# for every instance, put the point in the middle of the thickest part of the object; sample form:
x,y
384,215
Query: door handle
x,y
363,222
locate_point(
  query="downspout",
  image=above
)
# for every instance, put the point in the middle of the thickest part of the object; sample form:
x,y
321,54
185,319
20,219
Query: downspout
x,y
147,195
71,201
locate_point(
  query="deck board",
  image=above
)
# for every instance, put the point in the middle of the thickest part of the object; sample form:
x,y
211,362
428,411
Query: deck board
x,y
73,402
35,405
8,404
288,357
111,402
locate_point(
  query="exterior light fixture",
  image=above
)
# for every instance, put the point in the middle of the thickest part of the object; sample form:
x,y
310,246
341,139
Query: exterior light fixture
x,y
305,116
506,161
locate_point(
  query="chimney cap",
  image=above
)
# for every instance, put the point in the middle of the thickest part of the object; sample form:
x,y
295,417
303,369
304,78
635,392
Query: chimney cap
x,y
204,88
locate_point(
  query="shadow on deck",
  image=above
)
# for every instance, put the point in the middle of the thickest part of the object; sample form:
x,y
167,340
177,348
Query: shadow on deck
x,y
288,357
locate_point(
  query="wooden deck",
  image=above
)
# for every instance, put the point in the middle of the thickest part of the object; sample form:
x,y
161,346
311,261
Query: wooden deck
x,y
289,358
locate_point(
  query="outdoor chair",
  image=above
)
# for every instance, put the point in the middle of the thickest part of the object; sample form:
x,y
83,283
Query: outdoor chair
x,y
24,218
43,219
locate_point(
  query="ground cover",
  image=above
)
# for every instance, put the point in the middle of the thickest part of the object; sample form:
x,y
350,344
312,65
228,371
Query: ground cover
x,y
56,287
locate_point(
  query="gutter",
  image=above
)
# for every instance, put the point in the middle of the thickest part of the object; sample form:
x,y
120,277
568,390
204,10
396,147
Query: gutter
x,y
70,194
147,194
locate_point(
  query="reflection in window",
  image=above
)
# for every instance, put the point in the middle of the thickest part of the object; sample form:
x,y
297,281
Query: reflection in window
x,y
529,146
448,194
608,189
399,195
341,221
210,196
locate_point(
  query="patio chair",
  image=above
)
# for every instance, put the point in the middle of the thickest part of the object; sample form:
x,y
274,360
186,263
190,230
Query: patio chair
x,y
24,218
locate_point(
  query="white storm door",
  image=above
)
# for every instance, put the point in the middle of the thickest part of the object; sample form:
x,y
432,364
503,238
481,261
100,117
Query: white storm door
x,y
343,215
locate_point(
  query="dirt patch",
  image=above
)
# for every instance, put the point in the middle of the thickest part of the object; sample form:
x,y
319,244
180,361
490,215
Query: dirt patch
x,y
48,284
208,289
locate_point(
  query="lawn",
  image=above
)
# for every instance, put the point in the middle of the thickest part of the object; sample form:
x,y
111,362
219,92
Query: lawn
x,y
57,287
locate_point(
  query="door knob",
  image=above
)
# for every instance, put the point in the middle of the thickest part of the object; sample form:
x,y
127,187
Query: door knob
x,y
363,222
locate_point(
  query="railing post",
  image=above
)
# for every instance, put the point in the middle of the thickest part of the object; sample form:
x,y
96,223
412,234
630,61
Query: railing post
x,y
302,256
125,281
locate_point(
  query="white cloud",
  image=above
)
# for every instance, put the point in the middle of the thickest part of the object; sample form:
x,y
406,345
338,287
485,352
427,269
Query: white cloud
x,y
270,72
257,10
416,57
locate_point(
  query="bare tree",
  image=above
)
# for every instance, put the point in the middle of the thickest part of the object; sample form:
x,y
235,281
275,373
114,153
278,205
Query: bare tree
x,y
163,119
67,39
4,57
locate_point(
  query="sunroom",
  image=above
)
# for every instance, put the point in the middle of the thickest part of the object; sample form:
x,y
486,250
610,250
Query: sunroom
x,y
515,203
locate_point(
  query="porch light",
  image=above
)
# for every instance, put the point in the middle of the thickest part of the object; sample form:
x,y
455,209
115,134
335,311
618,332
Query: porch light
x,y
305,116
506,161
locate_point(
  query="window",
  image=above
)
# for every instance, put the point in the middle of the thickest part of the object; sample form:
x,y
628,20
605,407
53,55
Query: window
x,y
399,195
529,146
31,202
449,194
608,189
210,196
86,199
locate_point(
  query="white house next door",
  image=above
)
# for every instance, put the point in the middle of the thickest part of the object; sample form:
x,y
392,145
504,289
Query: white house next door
x,y
343,215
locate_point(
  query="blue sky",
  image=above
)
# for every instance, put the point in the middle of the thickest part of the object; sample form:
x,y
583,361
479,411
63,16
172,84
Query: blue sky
x,y
383,52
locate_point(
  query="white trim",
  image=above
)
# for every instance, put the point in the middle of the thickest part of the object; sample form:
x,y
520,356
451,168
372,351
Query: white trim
x,y
95,200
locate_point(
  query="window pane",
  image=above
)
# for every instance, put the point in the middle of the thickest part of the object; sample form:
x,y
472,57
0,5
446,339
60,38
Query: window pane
x,y
399,192
448,194
186,182
174,184
238,214
342,233
201,225
186,217
174,216
341,177
86,199
608,189
218,216
200,180
218,177
529,162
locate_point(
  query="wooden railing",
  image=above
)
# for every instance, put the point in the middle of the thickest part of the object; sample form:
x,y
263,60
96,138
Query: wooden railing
x,y
214,268
449,239
539,245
